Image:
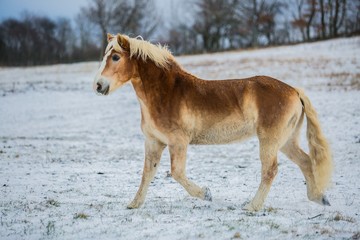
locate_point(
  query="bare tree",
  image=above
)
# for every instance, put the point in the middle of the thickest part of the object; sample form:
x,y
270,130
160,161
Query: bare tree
x,y
298,21
215,22
337,15
304,17
259,16
66,36
267,19
87,47
352,21
102,14
309,16
135,17
322,18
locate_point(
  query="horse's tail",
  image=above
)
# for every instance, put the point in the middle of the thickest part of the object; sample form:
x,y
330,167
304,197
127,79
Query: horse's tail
x,y
320,153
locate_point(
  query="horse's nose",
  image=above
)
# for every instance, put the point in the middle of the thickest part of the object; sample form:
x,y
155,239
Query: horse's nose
x,y
98,88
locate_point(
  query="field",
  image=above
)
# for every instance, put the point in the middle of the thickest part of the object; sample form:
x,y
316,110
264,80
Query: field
x,y
70,161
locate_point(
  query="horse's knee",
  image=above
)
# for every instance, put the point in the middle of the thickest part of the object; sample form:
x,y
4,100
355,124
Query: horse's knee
x,y
270,172
274,170
177,174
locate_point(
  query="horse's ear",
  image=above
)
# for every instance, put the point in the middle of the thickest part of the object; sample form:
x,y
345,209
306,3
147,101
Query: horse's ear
x,y
123,42
109,37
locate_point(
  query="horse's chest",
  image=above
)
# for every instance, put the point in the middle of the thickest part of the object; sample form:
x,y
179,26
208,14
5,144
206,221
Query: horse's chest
x,y
150,128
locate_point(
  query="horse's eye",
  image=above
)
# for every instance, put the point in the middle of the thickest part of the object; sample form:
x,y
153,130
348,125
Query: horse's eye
x,y
115,58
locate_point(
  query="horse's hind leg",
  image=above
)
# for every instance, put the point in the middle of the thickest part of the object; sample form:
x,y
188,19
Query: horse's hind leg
x,y
178,166
300,158
269,167
153,150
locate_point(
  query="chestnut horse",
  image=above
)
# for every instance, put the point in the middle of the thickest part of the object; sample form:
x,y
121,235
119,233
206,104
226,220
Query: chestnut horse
x,y
179,109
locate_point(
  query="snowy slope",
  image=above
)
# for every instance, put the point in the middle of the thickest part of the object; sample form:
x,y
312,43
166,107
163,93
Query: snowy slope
x,y
71,161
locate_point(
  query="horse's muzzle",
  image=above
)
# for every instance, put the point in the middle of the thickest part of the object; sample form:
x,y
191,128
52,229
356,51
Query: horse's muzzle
x,y
102,88
98,87
103,91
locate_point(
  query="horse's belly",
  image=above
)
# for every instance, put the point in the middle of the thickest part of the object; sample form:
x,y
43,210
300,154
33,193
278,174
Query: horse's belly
x,y
223,134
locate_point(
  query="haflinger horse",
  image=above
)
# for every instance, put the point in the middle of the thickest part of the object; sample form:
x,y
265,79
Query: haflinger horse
x,y
178,109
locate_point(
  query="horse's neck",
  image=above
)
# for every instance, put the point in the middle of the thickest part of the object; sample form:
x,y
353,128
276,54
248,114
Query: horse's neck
x,y
152,84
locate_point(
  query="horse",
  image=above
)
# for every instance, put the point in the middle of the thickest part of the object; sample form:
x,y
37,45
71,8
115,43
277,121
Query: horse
x,y
178,109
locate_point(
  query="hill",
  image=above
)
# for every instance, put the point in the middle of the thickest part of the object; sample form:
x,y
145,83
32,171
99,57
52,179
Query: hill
x,y
70,161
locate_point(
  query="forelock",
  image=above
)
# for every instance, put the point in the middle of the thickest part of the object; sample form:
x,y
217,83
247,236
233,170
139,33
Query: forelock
x,y
113,44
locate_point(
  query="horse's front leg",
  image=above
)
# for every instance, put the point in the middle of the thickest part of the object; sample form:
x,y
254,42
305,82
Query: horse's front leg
x,y
153,150
178,172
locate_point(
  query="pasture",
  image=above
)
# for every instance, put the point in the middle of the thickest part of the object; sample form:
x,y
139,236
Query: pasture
x,y
71,161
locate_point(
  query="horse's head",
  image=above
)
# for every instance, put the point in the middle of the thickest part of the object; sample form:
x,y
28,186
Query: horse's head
x,y
116,68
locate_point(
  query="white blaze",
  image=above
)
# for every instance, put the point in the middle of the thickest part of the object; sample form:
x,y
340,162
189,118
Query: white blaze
x,y
112,45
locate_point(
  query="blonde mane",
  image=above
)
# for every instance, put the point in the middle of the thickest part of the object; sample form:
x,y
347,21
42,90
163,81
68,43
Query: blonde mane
x,y
144,50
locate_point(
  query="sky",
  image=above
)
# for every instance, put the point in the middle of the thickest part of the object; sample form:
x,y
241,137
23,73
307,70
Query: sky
x,y
50,8
170,11
63,8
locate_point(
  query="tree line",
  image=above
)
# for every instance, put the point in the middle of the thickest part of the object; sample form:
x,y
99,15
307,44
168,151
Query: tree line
x,y
230,24
212,25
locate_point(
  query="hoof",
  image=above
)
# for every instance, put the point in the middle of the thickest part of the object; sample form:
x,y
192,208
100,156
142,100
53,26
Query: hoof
x,y
207,194
322,200
325,201
250,207
133,205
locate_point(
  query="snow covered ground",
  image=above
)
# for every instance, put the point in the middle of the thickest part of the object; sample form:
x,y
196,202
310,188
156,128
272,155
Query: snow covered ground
x,y
70,161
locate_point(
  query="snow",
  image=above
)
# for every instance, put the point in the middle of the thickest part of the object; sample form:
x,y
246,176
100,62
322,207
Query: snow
x,y
70,161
